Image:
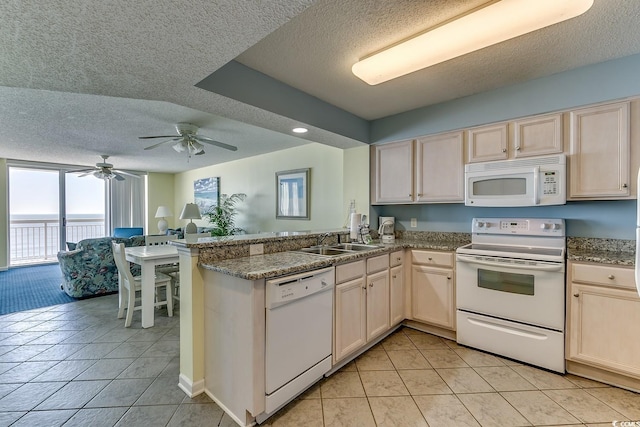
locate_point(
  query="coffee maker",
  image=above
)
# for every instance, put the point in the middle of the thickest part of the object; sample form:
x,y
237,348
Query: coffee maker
x,y
386,230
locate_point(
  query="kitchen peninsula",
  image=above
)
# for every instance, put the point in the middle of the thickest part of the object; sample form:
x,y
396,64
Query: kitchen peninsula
x,y
223,267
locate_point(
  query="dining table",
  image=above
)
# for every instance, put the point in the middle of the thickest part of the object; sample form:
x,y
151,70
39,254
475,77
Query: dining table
x,y
148,257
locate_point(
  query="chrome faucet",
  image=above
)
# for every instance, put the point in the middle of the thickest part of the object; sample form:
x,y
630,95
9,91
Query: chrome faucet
x,y
322,237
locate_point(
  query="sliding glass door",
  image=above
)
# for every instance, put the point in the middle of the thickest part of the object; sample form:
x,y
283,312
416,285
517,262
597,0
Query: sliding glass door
x,y
47,208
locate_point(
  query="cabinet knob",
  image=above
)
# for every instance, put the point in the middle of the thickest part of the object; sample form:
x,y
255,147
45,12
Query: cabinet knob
x,y
371,285
504,150
419,194
409,194
448,277
624,185
364,287
576,295
611,277
398,259
394,276
430,259
518,148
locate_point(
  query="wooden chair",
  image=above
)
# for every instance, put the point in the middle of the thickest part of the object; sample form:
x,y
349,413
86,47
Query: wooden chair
x,y
129,285
171,270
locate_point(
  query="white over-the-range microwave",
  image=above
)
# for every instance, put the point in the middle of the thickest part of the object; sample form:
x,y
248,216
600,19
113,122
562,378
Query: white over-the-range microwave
x,y
536,181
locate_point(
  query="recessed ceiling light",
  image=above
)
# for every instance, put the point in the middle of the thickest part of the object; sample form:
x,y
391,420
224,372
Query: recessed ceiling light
x,y
300,130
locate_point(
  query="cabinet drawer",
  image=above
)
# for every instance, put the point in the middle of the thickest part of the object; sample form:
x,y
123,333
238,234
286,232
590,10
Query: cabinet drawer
x,y
603,275
432,258
346,272
377,263
395,258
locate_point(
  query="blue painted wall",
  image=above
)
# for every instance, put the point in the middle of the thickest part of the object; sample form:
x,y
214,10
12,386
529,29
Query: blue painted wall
x,y
592,84
603,219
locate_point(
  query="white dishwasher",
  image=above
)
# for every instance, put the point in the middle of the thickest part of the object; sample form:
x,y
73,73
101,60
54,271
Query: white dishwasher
x,y
299,323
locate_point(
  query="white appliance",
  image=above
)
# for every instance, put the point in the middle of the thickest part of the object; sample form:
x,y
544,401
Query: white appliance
x,y
510,290
387,228
536,181
637,267
299,319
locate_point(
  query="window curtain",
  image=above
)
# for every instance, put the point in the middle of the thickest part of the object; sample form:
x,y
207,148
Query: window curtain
x,y
127,202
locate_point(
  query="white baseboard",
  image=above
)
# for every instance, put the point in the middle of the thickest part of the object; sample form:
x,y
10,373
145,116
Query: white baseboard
x,y
192,389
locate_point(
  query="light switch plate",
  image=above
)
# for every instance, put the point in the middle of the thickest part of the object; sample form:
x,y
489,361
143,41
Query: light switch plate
x,y
414,222
257,249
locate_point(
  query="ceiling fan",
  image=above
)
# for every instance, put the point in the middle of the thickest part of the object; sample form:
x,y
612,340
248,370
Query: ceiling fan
x,y
188,140
104,170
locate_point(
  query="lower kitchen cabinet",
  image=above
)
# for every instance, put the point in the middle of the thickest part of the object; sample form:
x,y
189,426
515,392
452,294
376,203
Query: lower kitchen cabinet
x,y
350,318
396,288
433,298
361,304
603,326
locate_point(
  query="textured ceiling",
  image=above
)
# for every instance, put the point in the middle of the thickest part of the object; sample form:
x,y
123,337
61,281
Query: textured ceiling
x,y
83,78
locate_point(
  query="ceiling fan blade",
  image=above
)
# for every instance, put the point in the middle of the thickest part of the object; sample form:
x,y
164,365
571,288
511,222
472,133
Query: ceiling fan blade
x,y
117,172
118,177
81,170
160,143
87,173
216,143
161,136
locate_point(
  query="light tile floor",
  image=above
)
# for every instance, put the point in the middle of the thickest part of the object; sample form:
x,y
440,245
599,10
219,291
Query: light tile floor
x,y
76,365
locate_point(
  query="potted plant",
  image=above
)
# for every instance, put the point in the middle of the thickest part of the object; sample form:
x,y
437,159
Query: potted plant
x,y
222,216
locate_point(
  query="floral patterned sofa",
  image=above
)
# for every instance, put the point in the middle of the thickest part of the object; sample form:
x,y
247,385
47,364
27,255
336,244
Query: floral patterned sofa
x,y
89,269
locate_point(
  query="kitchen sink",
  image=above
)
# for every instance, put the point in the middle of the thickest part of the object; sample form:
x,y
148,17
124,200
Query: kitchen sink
x,y
324,250
339,249
354,247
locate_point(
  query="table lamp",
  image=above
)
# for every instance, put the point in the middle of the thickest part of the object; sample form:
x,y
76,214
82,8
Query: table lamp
x,y
191,212
162,212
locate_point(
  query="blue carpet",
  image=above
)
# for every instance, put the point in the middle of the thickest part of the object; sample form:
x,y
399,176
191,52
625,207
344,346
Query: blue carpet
x,y
26,288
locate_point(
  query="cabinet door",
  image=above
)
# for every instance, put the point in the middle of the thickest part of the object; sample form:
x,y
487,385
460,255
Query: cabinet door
x,y
396,295
487,143
377,304
440,168
350,318
537,136
599,152
604,328
393,173
433,296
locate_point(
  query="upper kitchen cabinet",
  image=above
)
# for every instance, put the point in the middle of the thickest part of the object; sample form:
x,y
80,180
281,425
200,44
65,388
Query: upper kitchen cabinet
x,y
531,136
392,169
599,152
440,168
435,170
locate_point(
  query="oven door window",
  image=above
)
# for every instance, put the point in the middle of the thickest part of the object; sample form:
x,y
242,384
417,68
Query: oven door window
x,y
515,283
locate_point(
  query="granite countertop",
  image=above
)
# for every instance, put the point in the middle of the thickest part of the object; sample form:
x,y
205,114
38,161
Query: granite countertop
x,y
600,256
604,251
290,262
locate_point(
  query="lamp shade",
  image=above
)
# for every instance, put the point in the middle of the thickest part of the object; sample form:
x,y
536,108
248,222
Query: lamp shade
x,y
190,211
163,212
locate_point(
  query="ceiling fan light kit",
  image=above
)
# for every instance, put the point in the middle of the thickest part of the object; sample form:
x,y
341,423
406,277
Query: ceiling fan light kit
x,y
493,23
104,170
188,140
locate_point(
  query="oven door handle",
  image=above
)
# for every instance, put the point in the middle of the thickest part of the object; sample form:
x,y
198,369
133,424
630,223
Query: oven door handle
x,y
471,260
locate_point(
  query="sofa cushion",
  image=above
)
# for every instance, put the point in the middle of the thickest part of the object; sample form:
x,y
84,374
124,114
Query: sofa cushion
x,y
90,269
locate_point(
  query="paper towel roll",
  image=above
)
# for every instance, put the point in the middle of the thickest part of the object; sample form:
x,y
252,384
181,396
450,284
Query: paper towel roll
x,y
356,220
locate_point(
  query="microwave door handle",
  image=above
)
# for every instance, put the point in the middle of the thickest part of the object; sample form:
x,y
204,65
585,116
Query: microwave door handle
x,y
536,185
472,260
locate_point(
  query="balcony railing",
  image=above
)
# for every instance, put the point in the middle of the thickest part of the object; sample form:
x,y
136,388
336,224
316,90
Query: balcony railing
x,y
34,241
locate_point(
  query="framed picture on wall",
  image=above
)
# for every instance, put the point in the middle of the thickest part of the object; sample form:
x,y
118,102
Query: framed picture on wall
x,y
292,194
206,193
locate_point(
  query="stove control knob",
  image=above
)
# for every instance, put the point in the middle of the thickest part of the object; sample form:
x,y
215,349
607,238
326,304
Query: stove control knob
x,y
480,224
557,226
545,226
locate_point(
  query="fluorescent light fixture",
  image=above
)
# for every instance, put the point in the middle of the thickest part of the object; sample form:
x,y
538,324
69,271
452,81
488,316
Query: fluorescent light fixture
x,y
300,130
489,25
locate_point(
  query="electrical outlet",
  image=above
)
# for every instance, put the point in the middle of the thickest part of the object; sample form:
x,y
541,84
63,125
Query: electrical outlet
x,y
256,249
414,222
